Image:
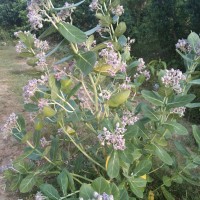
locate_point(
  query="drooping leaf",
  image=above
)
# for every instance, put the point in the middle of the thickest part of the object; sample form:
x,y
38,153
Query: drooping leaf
x,y
114,190
193,105
196,134
62,180
27,183
113,165
163,155
71,33
124,195
49,191
166,194
48,32
86,191
86,62
181,148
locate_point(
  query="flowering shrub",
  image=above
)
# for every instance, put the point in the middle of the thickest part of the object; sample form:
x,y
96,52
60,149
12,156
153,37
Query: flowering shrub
x,y
97,134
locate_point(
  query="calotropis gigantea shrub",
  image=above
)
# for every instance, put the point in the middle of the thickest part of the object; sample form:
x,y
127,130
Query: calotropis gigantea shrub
x,y
96,134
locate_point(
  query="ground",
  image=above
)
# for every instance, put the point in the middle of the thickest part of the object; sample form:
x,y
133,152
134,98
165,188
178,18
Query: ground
x,y
14,73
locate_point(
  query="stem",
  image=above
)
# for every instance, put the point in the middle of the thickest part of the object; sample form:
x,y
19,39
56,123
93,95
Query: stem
x,y
79,148
95,92
79,176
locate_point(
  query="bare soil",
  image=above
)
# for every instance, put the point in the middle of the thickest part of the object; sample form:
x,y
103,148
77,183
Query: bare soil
x,y
13,75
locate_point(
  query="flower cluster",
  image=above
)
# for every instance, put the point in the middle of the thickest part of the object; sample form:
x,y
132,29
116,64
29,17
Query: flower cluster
x,y
116,139
44,142
141,70
41,45
20,47
59,73
94,5
119,10
32,86
126,85
172,78
183,45
129,118
105,94
65,13
40,196
42,103
179,111
129,42
110,57
9,125
103,196
35,14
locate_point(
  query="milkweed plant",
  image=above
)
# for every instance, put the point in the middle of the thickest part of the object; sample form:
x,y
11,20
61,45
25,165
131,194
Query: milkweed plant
x,y
95,131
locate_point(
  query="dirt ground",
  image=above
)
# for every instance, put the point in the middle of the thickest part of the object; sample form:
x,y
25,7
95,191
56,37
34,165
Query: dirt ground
x,y
13,75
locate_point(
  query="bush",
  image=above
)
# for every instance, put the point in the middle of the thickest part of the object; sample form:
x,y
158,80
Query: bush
x,y
97,133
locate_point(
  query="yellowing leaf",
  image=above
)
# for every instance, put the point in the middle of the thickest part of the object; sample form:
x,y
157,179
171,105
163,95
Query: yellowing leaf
x,y
48,111
151,195
107,159
119,98
104,69
144,176
70,130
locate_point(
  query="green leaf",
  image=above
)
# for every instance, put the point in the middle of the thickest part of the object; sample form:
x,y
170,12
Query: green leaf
x,y
137,182
62,180
49,191
86,191
196,134
193,40
93,30
126,156
176,128
23,167
124,195
54,89
120,29
166,194
64,60
15,182
163,155
180,100
152,97
113,165
193,105
71,33
137,186
27,183
47,32
26,54
54,148
167,181
181,148
101,185
143,167
150,113
195,82
30,107
86,62
114,191
55,48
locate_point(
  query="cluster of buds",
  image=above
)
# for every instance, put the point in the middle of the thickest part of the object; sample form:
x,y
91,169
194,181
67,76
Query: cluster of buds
x,y
115,139
141,70
105,94
66,13
103,196
40,196
118,11
129,118
183,45
32,86
128,44
59,73
44,142
173,78
9,125
179,111
111,57
126,85
35,14
94,5
42,103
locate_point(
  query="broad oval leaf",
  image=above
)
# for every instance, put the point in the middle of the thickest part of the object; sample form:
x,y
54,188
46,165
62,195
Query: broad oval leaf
x,y
163,155
71,33
195,82
27,183
113,165
143,167
196,134
153,97
180,100
49,191
176,128
101,185
166,194
150,113
121,28
86,62
124,195
62,180
86,191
